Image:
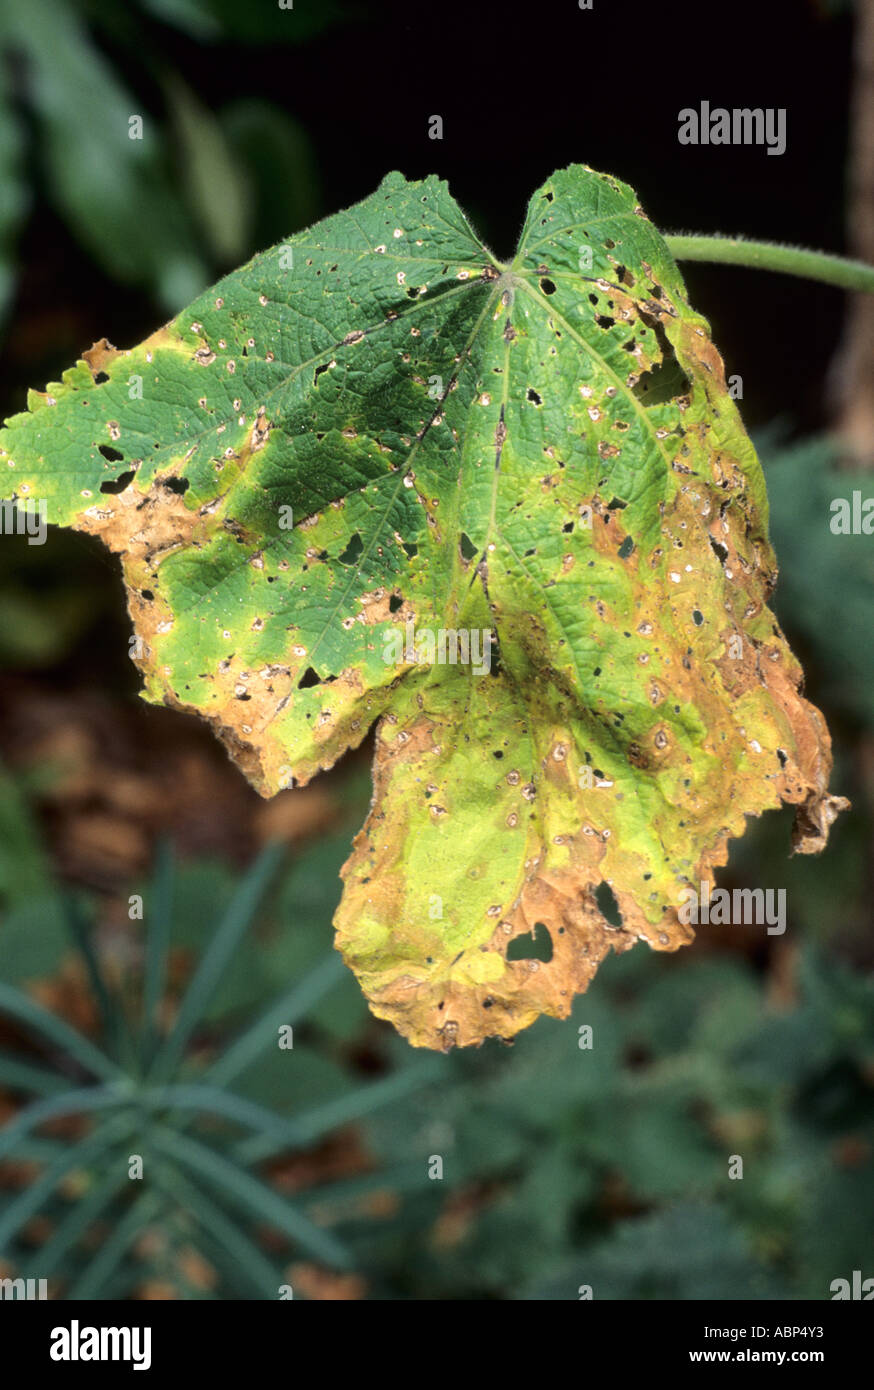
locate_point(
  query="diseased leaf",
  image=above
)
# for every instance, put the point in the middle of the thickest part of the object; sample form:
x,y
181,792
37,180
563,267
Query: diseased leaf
x,y
544,453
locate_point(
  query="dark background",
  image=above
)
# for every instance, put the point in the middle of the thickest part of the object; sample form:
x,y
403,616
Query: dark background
x,y
523,91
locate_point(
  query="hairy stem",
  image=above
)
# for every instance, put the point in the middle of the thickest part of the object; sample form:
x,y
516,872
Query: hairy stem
x,y
769,255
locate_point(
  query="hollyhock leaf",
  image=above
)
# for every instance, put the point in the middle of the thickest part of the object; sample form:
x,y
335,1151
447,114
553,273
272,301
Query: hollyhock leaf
x,y
506,512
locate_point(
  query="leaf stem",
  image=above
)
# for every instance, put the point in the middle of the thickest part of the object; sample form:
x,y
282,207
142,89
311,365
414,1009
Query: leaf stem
x,y
770,255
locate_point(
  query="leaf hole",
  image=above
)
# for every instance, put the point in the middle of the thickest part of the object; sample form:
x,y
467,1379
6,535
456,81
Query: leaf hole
x,y
352,551
533,945
116,485
719,550
468,549
666,379
607,905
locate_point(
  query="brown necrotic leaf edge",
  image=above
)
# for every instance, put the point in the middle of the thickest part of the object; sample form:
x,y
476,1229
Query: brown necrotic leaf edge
x,y
448,1006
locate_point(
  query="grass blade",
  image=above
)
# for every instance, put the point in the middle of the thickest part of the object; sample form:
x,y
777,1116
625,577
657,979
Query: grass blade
x,y
313,1124
289,1008
83,1101
82,1215
245,1255
218,953
38,1150
24,1076
29,1202
81,932
212,1100
159,919
249,1192
113,1251
15,1004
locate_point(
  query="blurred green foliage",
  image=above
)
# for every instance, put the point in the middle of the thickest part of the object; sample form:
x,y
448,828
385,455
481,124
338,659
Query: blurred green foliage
x,y
154,1086
161,190
609,1167
564,1164
826,587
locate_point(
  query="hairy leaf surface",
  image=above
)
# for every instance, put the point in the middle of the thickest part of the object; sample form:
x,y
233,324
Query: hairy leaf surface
x,y
508,513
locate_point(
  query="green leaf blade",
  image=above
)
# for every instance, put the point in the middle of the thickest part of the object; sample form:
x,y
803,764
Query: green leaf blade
x,y
508,512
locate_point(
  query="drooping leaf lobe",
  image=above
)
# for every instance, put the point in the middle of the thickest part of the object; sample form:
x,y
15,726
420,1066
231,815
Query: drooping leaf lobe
x,y
376,450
